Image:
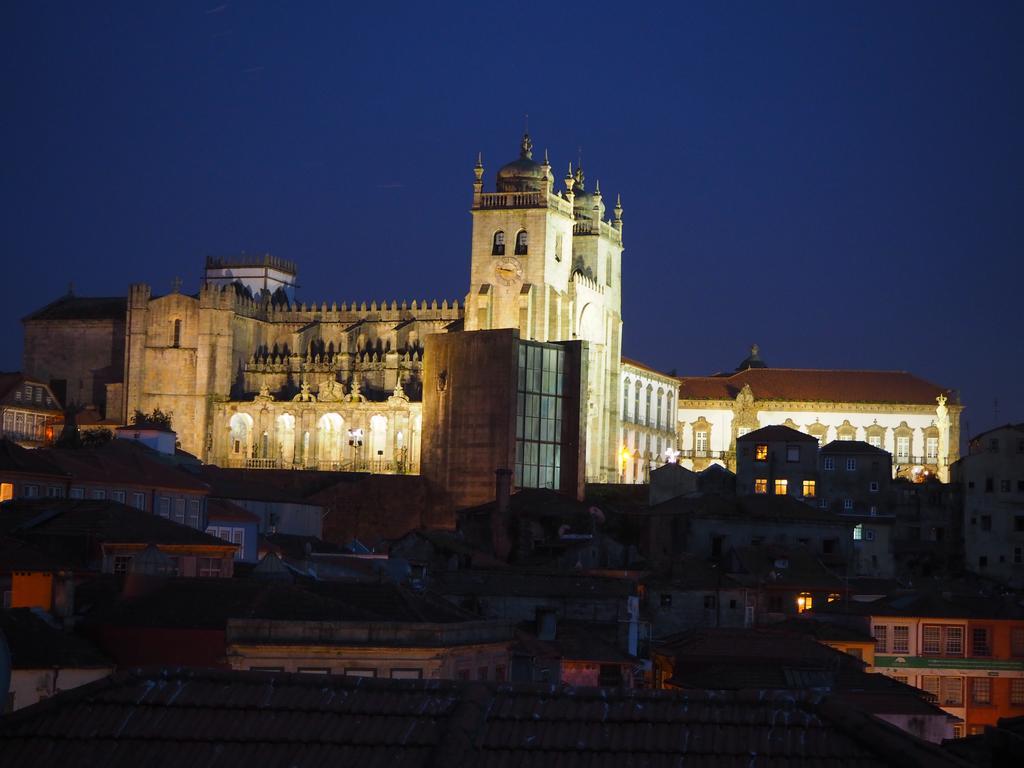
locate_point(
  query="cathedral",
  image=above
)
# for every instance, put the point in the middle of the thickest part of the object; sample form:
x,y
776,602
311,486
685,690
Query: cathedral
x,y
254,378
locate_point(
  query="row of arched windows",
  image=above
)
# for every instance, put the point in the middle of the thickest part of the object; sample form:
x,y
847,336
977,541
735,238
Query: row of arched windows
x,y
522,243
650,407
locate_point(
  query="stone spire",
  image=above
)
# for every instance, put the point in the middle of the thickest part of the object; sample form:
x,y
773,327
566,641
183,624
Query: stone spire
x,y
617,223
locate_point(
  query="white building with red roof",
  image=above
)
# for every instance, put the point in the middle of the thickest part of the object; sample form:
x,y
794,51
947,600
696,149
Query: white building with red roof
x,y
916,421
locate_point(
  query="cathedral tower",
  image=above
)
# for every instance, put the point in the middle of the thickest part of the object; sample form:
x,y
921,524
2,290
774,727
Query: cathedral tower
x,y
548,264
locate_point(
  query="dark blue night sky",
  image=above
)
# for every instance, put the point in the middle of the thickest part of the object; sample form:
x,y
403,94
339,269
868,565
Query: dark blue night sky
x,y
838,182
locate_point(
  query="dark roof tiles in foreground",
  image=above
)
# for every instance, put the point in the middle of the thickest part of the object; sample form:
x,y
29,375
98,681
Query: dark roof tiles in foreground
x,y
182,717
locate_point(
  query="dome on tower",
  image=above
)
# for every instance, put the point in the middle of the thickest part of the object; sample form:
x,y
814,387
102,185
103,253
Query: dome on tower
x,y
524,174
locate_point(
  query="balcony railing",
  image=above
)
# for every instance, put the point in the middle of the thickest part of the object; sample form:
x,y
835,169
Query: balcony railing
x,y
374,466
695,454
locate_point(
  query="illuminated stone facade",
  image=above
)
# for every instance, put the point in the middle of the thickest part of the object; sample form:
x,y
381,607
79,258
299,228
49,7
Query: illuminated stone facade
x,y
914,420
548,264
253,383
648,407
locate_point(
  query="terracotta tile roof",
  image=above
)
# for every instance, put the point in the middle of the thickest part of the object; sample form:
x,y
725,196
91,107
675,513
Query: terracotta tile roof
x,y
123,461
210,603
14,458
82,308
851,446
777,433
37,644
529,584
222,510
97,521
198,717
809,385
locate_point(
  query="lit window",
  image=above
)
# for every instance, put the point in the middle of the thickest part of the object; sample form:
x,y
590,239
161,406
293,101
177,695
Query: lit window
x,y
804,602
761,485
761,452
858,532
700,440
833,596
829,464
6,491
809,489
781,487
851,465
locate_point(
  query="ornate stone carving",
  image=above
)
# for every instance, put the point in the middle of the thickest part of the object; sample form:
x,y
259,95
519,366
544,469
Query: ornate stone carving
x,y
398,397
355,396
331,391
304,395
264,395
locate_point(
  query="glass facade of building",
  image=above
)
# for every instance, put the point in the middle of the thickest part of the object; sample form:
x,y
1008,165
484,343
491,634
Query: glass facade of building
x,y
539,405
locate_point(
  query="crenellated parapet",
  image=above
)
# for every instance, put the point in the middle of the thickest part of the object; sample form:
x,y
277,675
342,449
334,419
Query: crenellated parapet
x,y
355,311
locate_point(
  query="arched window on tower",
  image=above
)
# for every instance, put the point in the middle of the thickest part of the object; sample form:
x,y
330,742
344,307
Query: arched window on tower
x,y
498,248
625,400
522,242
176,338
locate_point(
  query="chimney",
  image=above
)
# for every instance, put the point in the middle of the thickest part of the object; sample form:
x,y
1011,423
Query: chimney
x,y
499,518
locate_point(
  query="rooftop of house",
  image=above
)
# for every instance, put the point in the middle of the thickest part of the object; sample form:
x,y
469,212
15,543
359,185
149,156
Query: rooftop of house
x,y
574,641
224,511
522,583
14,458
9,381
71,307
776,433
815,386
36,642
263,485
932,602
776,659
123,461
782,568
210,603
825,631
760,507
843,447
174,717
98,521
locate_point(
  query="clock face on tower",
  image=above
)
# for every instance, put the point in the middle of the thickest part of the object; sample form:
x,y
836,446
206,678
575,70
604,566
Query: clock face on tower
x,y
508,270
